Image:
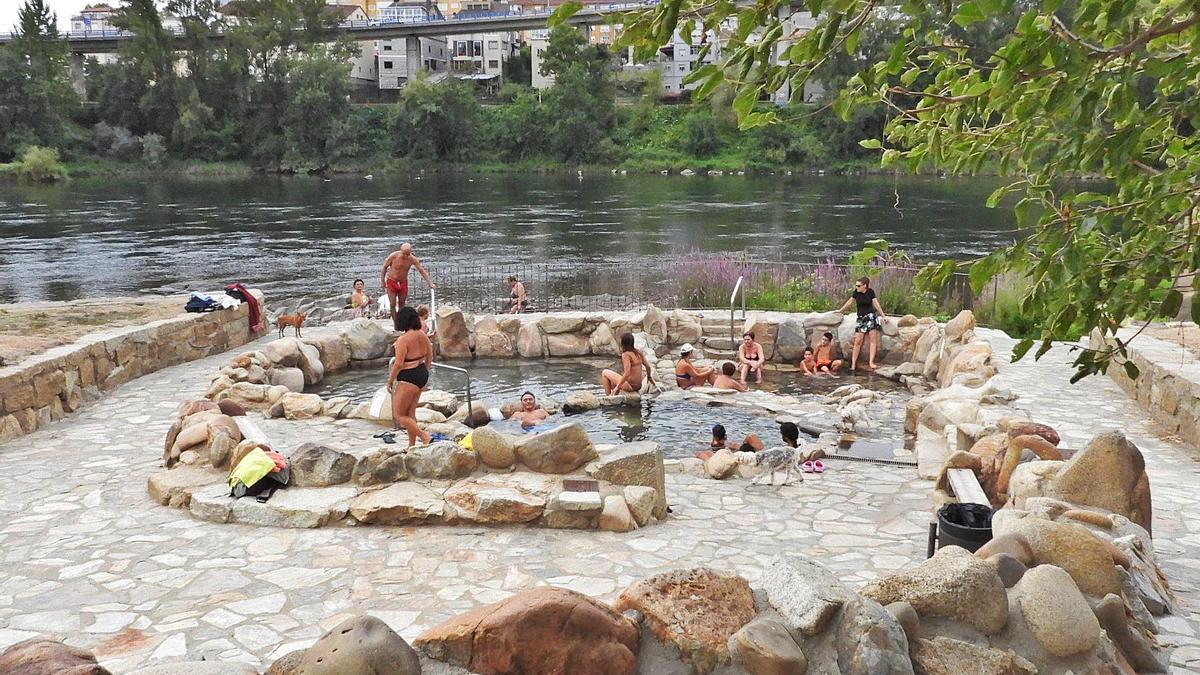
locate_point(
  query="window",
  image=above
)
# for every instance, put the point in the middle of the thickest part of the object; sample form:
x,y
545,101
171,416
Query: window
x,y
682,67
695,49
493,63
387,48
387,65
493,44
667,87
478,48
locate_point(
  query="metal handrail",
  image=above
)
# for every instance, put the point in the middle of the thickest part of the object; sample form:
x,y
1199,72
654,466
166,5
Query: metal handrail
x,y
732,299
470,407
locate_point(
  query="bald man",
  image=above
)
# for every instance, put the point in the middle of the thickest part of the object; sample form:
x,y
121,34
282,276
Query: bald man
x,y
394,277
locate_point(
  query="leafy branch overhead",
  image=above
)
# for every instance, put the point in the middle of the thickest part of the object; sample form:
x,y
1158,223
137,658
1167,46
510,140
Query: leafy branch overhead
x,y
1087,106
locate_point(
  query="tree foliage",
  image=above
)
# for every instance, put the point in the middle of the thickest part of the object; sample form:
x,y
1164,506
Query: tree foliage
x,y
1040,90
36,98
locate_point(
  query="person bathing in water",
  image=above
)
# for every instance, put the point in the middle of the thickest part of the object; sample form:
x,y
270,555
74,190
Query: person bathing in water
x,y
870,314
688,374
531,414
826,364
720,441
725,379
751,358
633,366
409,373
394,278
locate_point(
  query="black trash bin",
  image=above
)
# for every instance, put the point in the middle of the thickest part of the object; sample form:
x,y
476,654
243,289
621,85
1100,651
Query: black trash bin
x,y
965,525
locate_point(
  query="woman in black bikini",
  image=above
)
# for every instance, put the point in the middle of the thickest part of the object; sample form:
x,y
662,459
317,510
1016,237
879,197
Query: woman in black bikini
x,y
751,357
409,373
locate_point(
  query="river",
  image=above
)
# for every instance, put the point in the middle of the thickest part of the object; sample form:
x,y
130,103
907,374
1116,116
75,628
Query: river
x,y
310,236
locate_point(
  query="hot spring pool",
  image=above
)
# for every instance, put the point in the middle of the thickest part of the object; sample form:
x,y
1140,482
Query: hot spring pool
x,y
680,427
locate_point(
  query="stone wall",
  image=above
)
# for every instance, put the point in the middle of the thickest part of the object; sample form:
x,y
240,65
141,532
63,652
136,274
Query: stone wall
x,y
48,386
1168,382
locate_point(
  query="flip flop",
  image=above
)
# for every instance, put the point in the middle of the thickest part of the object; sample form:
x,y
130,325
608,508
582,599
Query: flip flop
x,y
807,467
387,437
818,466
433,438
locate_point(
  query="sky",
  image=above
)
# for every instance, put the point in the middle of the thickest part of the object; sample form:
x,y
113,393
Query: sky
x,y
65,9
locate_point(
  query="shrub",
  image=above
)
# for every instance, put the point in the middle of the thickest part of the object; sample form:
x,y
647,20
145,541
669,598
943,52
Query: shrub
x,y
116,142
39,165
154,152
701,133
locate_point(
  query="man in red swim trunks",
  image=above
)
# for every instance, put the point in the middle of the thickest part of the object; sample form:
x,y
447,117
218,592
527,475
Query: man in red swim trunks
x,y
394,277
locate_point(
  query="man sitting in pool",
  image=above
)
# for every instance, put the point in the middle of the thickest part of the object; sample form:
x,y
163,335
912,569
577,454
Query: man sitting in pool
x,y
824,355
726,380
751,443
687,375
531,414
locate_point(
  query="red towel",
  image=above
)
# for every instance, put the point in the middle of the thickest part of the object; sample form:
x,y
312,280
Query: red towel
x,y
255,315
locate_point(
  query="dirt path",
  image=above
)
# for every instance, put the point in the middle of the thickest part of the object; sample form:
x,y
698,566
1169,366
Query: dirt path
x,y
30,328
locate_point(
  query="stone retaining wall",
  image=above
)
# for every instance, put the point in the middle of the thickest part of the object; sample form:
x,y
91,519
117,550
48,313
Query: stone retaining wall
x,y
1168,382
48,386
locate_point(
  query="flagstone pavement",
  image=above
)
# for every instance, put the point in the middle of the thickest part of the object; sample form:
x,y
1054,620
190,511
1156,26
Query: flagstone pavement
x,y
85,555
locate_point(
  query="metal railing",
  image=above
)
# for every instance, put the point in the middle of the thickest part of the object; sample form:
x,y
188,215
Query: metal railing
x,y
732,299
467,376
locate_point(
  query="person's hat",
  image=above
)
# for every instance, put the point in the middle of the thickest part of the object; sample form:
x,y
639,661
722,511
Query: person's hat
x,y
685,348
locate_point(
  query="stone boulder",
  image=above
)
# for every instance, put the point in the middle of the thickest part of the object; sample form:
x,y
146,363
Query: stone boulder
x,y
1073,548
472,414
398,504
495,449
791,339
927,343
367,340
682,327
382,467
634,464
490,340
174,488
655,324
580,401
362,644
1056,612
315,465
292,378
764,647
333,351
641,501
971,359
41,656
443,459
543,631
500,498
953,584
959,326
567,344
616,516
1109,473
529,342
442,401
453,338
947,656
603,342
721,465
295,406
562,449
697,611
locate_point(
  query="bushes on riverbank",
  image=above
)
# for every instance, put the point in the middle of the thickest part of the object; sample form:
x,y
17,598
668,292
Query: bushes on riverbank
x,y
36,165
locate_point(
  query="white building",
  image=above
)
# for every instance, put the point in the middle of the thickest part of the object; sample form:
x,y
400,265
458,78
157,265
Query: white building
x,y
480,54
393,59
538,41
677,58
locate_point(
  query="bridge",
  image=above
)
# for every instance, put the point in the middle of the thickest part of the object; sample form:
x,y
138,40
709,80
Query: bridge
x,y
108,41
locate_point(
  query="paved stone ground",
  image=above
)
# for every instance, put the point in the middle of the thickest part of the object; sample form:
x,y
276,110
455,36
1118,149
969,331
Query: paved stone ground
x,y
85,555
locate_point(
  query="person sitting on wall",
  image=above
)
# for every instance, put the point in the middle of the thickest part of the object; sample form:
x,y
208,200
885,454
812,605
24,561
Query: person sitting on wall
x,y
720,441
751,357
633,367
687,374
826,364
531,414
517,300
726,381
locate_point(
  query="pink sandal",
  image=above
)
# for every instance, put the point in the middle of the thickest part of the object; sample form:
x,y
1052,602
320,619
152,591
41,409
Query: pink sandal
x,y
807,467
818,466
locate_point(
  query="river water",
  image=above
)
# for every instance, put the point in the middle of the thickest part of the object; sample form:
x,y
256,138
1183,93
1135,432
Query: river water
x,y
311,236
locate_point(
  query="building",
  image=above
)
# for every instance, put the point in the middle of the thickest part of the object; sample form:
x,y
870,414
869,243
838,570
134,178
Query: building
x,y
538,41
481,55
677,58
364,75
409,11
93,18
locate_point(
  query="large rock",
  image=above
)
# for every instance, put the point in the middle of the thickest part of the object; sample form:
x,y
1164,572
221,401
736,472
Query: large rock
x,y
791,339
333,351
1056,612
957,327
953,584
971,359
174,487
443,459
928,342
367,340
641,501
1109,473
721,465
382,467
764,647
804,593
491,340
616,516
292,378
495,449
398,504
634,464
682,327
695,610
454,341
41,656
567,344
293,507
472,414
285,352
362,644
316,465
562,449
543,631
295,406
442,401
562,322
500,498
580,401
529,342
654,324
1070,547
946,656
603,342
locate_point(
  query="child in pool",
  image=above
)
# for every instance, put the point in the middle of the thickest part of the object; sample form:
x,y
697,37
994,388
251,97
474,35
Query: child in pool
x,y
808,365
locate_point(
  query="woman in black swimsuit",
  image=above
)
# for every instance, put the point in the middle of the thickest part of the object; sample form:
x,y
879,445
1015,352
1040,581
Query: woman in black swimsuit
x,y
409,373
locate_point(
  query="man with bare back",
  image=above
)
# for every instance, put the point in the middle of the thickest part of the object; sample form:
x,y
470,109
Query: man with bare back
x,y
394,277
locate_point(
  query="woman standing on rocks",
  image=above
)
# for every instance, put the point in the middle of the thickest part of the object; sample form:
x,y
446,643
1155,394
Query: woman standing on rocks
x,y
870,314
409,373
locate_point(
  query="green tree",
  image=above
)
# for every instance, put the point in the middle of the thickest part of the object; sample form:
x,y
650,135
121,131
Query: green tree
x,y
519,68
319,97
518,127
701,133
437,121
36,98
568,46
1087,88
583,116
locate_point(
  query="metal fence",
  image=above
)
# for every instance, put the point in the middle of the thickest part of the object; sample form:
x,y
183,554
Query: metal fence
x,y
554,286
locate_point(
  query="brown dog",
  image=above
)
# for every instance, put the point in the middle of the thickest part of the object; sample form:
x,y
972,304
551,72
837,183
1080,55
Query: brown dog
x,y
293,320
